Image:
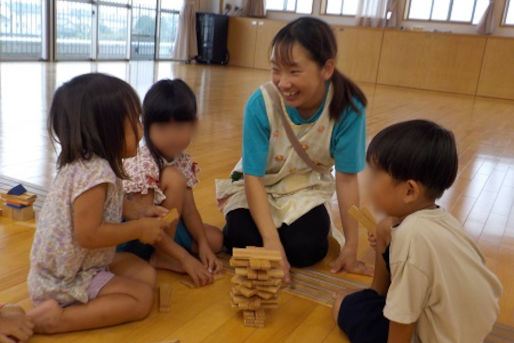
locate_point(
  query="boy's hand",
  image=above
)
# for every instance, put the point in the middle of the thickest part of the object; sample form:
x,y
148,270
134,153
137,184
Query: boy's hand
x,y
15,326
197,271
208,259
152,230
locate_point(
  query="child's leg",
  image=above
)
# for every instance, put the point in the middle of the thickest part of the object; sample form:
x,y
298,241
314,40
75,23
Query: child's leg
x,y
214,238
128,296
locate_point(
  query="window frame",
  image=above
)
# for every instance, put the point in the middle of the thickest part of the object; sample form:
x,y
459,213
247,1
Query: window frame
x,y
324,6
295,7
503,22
449,21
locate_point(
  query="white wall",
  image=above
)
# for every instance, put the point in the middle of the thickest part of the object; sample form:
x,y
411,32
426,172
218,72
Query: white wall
x,y
408,24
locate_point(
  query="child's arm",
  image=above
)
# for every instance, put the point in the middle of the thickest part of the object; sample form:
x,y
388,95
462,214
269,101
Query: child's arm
x,y
381,277
195,225
191,265
92,233
400,333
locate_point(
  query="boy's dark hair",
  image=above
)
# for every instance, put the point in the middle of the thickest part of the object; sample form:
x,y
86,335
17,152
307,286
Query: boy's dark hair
x,y
167,101
418,150
318,38
87,118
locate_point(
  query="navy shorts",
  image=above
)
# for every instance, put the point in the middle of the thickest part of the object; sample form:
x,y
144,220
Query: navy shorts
x,y
145,251
361,316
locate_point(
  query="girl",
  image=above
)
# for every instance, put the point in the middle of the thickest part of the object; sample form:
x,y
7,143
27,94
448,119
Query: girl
x,y
280,202
163,174
75,279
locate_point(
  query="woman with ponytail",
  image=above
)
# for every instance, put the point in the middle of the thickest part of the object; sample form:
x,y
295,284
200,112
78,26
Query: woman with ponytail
x,y
296,128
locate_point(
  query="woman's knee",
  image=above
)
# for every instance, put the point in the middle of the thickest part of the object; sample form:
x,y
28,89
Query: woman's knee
x,y
240,230
304,252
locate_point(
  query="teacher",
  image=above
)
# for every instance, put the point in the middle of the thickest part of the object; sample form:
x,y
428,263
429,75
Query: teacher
x,y
296,128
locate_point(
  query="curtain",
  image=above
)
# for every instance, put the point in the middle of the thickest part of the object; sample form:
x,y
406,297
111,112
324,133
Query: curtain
x,y
486,23
255,8
393,8
186,46
371,13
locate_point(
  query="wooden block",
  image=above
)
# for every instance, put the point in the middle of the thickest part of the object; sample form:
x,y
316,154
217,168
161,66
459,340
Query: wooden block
x,y
368,215
276,273
269,289
164,298
171,216
24,199
265,295
361,218
260,264
247,292
240,280
262,275
22,214
235,262
257,253
260,314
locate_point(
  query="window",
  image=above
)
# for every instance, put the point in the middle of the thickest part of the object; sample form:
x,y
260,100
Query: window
x,y
298,6
509,15
21,28
462,11
342,7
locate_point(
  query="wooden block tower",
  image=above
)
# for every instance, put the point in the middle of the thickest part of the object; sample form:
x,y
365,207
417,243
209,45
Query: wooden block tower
x,y
256,283
17,203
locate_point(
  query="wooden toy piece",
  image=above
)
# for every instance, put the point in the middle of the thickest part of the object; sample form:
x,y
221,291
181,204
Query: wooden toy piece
x,y
361,218
247,292
164,298
276,273
26,199
259,264
21,214
234,262
269,289
368,215
171,216
256,253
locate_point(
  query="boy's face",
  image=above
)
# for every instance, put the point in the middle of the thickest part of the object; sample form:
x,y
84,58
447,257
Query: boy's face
x,y
394,198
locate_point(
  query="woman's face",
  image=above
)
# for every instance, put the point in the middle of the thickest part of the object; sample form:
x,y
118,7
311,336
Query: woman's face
x,y
301,83
171,138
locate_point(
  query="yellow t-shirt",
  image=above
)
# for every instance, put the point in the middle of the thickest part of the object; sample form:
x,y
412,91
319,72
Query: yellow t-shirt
x,y
439,280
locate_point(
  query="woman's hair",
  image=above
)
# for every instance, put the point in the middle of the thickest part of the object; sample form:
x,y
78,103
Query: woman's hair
x,y
318,39
167,101
87,118
418,150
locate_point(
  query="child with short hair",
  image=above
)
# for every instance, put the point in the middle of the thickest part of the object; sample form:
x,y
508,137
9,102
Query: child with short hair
x,y
163,174
431,283
76,281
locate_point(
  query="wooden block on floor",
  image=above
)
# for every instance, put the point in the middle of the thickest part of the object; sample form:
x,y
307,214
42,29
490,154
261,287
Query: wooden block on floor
x,y
20,214
165,298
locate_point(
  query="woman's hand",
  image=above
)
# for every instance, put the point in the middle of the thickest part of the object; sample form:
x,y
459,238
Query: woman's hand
x,y
151,230
347,261
209,259
15,326
286,267
197,271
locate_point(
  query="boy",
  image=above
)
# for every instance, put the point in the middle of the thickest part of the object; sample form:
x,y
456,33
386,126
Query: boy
x,y
431,283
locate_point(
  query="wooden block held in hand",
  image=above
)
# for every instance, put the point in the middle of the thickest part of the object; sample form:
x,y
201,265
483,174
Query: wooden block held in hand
x,y
171,216
164,298
362,219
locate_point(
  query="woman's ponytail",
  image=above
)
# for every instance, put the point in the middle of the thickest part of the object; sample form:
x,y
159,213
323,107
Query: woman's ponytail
x,y
345,91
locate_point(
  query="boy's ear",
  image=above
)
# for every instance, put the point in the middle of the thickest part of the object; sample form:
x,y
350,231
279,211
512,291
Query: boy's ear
x,y
412,191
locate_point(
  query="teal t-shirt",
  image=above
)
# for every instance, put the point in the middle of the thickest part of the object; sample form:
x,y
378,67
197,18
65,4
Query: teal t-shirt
x,y
347,144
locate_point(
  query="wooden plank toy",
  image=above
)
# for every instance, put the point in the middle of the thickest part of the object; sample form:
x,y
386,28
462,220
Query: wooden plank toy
x,y
171,216
164,298
256,283
365,218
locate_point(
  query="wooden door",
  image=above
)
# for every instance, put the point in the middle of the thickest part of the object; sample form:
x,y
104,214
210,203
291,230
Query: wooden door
x,y
242,35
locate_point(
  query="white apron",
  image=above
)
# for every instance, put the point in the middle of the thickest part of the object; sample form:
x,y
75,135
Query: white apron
x,y
293,188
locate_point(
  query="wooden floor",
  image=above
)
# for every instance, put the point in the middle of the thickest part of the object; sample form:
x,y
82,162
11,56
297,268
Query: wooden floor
x,y
482,197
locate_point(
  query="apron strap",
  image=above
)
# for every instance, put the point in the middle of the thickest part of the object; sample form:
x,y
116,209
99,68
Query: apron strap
x,y
279,108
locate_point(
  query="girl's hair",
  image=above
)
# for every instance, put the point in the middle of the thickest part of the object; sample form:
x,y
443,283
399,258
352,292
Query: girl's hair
x,y
167,101
87,118
318,39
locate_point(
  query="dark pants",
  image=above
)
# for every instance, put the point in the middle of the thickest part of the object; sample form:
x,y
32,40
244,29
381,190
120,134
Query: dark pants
x,y
361,315
305,241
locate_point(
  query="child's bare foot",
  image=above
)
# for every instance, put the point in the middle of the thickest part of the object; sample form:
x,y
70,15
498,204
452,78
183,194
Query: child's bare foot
x,y
46,316
163,261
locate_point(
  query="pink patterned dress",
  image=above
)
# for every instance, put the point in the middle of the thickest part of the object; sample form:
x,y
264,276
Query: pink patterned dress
x,y
144,173
60,268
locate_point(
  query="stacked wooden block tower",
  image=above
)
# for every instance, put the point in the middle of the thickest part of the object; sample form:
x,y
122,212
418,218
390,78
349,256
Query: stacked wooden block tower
x,y
256,283
17,203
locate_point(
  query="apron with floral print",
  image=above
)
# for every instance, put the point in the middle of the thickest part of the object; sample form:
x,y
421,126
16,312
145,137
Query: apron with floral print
x,y
293,188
